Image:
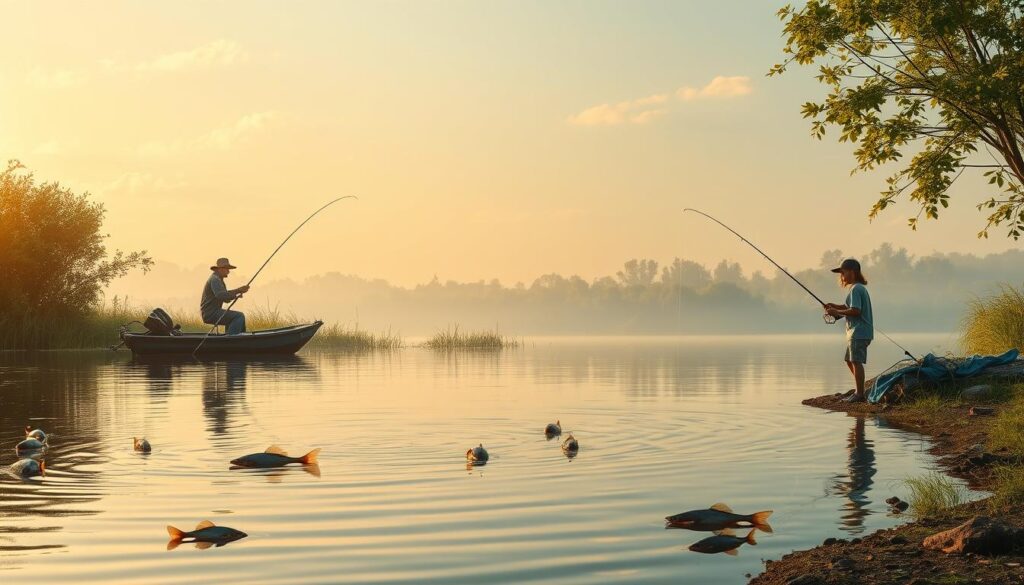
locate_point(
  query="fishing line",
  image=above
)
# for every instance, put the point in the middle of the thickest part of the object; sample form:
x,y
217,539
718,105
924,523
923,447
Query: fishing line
x,y
828,318
264,265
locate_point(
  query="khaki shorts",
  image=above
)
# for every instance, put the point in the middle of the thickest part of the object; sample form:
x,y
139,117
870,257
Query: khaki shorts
x,y
857,351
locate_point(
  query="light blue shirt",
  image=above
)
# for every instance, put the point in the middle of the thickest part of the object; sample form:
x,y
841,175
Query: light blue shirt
x,y
861,327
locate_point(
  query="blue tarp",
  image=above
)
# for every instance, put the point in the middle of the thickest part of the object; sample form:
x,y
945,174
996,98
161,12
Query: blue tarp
x,y
934,369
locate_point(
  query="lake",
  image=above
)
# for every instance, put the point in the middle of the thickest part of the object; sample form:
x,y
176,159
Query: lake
x,y
665,425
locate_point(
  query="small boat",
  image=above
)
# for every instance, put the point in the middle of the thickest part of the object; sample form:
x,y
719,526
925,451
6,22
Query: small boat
x,y
283,340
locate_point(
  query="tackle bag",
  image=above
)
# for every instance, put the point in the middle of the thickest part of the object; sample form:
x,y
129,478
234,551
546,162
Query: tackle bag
x,y
160,323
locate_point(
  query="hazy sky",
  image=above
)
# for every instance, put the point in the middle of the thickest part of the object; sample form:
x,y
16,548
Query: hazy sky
x,y
484,139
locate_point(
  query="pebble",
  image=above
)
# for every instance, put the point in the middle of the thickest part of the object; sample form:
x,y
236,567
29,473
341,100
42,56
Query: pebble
x,y
829,541
855,541
1012,565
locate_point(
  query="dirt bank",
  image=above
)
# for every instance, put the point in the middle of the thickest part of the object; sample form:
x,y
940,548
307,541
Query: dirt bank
x,y
896,555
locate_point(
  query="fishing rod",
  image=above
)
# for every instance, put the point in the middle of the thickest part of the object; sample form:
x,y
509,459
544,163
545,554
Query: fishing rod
x,y
828,318
264,265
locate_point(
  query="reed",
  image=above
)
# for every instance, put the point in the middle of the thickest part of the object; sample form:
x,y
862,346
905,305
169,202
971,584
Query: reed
x,y
1007,430
932,494
99,329
453,338
994,323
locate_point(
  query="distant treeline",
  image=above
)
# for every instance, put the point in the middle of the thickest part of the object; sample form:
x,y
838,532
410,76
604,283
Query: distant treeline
x,y
927,293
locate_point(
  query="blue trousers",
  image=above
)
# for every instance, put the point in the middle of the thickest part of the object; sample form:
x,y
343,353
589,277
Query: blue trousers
x,y
233,320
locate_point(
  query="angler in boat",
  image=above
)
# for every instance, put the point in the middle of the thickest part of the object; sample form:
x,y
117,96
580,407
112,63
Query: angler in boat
x,y
216,293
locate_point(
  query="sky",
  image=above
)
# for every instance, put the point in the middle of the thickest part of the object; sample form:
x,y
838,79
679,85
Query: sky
x,y
483,139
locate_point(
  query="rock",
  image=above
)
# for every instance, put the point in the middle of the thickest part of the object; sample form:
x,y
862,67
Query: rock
x,y
841,564
980,534
892,501
1012,565
981,411
806,580
898,539
900,506
855,541
977,392
829,541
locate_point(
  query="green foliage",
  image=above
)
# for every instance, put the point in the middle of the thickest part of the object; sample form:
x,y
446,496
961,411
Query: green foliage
x,y
52,257
1007,431
1008,486
452,339
995,323
932,494
935,78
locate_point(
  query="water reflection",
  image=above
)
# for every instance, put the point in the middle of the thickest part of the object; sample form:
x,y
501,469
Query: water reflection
x,y
223,394
855,485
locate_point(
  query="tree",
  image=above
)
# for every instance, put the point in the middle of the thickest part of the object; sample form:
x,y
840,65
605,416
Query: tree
x,y
52,255
685,273
638,273
935,79
727,272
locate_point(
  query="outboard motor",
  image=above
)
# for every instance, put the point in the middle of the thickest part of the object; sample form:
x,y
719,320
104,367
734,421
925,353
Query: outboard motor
x,y
160,323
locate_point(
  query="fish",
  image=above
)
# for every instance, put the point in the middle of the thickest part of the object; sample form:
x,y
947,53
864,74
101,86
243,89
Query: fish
x,y
571,446
28,467
553,429
478,455
274,456
725,541
205,535
36,434
29,444
142,445
717,517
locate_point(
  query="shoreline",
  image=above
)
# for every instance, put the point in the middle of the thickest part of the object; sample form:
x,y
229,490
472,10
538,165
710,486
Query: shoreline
x,y
896,555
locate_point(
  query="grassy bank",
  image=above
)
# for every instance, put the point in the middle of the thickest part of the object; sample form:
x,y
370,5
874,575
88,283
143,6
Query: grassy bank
x,y
453,338
994,323
99,328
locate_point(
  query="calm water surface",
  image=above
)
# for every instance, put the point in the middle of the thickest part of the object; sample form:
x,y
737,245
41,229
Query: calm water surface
x,y
665,426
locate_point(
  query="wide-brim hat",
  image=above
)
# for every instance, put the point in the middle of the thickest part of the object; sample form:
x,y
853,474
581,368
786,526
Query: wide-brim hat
x,y
848,264
222,263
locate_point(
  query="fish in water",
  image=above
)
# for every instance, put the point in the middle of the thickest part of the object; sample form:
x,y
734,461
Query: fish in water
x,y
36,434
274,456
717,517
28,468
30,444
553,429
205,535
477,455
142,445
570,445
725,541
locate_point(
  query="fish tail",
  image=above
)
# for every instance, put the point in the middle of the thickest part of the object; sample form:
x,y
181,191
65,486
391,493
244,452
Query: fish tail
x,y
760,520
175,533
310,457
750,536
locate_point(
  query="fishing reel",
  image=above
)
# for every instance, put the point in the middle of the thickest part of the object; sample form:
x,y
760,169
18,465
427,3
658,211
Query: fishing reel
x,y
829,319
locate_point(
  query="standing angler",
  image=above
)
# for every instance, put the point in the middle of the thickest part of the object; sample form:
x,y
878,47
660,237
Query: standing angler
x,y
216,293
859,322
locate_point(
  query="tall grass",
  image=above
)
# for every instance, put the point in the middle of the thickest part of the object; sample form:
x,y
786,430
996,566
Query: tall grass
x,y
1008,486
452,339
932,494
1007,430
994,323
99,328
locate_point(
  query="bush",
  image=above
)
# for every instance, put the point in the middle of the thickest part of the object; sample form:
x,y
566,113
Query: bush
x,y
52,257
995,323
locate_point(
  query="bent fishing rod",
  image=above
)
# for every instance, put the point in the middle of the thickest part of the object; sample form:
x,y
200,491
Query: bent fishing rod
x,y
828,318
264,265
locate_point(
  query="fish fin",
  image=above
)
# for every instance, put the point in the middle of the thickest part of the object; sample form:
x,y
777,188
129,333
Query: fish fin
x,y
28,430
203,545
725,532
731,552
310,457
276,450
42,468
173,544
761,519
469,453
764,527
176,535
205,524
312,469
750,536
721,507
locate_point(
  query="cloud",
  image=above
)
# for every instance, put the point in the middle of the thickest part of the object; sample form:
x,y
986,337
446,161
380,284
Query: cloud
x,y
135,183
638,111
218,139
219,53
56,79
719,87
644,110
